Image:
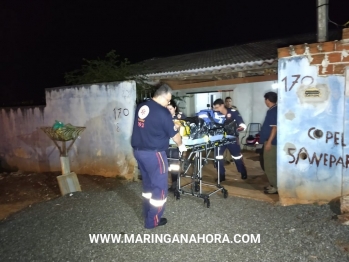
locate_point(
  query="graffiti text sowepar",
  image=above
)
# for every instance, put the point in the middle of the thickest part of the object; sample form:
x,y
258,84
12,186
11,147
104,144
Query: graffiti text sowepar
x,y
324,158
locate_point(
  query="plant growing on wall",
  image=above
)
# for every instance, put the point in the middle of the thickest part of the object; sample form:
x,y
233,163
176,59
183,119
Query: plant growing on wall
x,y
100,70
109,69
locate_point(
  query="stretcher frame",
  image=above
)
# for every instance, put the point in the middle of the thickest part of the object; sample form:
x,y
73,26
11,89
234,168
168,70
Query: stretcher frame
x,y
195,158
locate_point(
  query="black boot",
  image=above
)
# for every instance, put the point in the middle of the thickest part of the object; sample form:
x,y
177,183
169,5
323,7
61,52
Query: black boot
x,y
174,178
163,221
173,187
243,175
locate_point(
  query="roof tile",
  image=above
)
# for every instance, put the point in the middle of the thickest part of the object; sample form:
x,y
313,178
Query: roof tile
x,y
226,57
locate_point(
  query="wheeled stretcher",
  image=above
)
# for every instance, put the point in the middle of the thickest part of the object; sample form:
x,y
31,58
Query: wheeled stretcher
x,y
194,158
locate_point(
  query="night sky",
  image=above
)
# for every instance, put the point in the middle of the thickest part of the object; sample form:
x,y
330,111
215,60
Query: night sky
x,y
43,39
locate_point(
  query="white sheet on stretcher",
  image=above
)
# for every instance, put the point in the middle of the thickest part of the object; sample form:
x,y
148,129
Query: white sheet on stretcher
x,y
189,142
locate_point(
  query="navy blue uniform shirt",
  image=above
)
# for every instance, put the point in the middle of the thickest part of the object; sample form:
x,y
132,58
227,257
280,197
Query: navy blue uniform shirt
x,y
269,122
233,115
153,127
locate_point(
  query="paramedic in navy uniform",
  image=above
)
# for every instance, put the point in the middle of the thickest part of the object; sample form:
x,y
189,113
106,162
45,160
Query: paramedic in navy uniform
x,y
174,152
235,150
152,129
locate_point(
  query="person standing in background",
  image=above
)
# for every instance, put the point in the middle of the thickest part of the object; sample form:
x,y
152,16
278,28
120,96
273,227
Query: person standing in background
x,y
228,104
269,140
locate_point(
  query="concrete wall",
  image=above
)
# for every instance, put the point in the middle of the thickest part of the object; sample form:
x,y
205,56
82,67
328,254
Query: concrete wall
x,y
106,110
249,99
312,147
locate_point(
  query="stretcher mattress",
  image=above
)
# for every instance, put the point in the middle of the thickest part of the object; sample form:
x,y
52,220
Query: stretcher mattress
x,y
188,142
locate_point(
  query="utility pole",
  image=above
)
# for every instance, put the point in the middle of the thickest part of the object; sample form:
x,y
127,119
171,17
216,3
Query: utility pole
x,y
322,20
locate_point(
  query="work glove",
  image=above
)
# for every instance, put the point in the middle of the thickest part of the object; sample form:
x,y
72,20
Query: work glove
x,y
182,148
241,127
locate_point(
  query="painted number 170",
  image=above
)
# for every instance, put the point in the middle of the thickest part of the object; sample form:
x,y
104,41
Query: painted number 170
x,y
124,111
295,81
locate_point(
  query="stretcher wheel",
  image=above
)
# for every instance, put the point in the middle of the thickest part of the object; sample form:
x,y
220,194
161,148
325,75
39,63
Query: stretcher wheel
x,y
196,186
207,202
185,164
225,193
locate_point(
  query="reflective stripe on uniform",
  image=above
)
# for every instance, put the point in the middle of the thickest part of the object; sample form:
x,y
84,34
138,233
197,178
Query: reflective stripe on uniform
x,y
156,220
237,157
174,167
157,203
161,162
146,195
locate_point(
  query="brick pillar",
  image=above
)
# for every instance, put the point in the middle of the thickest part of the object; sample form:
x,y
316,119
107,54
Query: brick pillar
x,y
345,35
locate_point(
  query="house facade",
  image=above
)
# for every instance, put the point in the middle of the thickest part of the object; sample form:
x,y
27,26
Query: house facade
x,y
243,72
312,82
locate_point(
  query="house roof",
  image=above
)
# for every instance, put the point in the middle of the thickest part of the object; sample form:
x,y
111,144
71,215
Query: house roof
x,y
252,56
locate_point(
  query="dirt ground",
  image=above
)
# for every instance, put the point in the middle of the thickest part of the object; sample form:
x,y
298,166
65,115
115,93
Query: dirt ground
x,y
19,190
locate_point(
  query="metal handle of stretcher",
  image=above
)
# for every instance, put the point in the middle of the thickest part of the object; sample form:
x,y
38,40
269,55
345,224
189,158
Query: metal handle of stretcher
x,y
207,147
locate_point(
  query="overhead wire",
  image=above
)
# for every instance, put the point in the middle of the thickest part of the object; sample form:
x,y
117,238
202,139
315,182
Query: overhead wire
x,y
328,17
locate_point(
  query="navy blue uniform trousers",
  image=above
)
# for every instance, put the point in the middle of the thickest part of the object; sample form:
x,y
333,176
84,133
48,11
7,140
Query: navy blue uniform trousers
x,y
235,152
154,169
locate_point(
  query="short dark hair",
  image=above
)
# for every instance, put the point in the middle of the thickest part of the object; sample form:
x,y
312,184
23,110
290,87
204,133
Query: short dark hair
x,y
163,90
174,105
271,96
218,101
228,97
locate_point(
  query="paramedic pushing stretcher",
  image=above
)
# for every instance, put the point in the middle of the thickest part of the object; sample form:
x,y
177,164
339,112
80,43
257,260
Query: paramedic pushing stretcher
x,y
235,150
152,129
